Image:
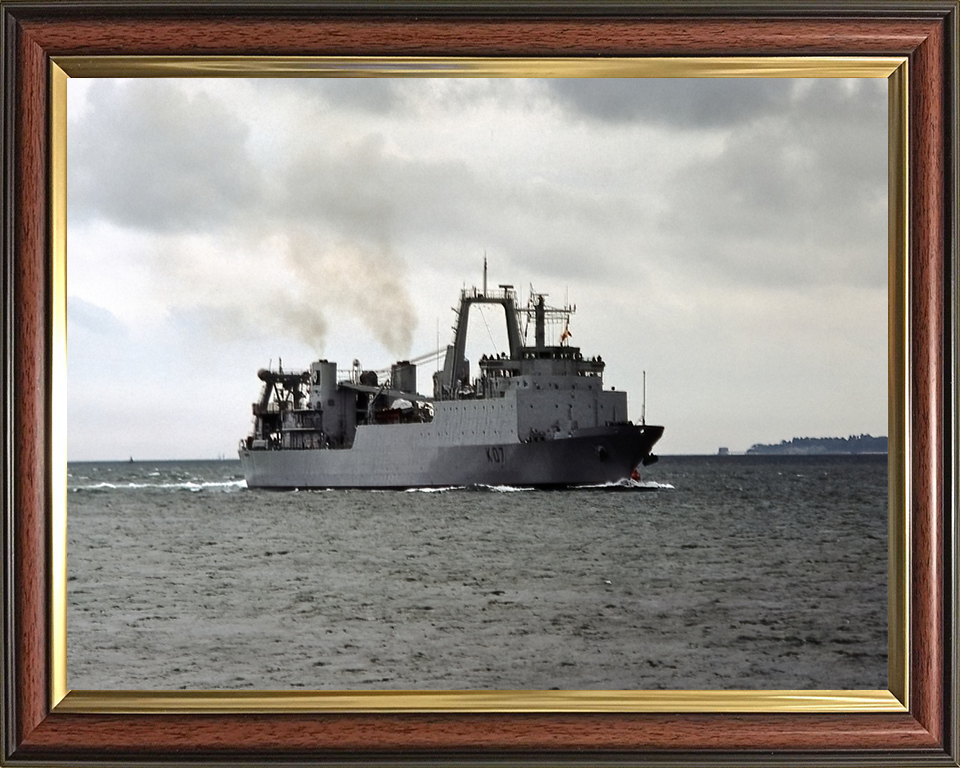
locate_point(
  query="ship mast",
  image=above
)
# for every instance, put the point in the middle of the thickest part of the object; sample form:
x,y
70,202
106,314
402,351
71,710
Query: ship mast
x,y
643,408
540,322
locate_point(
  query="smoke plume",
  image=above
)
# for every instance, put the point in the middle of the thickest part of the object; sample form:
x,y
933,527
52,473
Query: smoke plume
x,y
297,285
364,281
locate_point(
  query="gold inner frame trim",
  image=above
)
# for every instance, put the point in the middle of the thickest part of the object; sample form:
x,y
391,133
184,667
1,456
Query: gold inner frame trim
x,y
139,702
894,69
414,66
58,388
898,393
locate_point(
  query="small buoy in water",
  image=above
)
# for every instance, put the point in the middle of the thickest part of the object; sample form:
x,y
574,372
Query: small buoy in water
x,y
635,475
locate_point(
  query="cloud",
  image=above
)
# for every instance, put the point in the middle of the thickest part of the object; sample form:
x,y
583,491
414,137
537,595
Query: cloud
x,y
363,95
148,155
87,316
769,182
290,284
675,102
400,97
251,244
799,196
680,215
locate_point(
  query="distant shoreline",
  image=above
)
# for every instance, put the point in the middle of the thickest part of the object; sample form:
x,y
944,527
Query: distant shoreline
x,y
823,446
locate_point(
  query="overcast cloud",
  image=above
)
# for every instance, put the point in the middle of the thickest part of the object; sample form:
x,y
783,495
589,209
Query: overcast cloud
x,y
726,236
674,103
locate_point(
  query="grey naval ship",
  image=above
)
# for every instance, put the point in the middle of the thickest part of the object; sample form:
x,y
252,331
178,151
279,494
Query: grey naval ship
x,y
535,416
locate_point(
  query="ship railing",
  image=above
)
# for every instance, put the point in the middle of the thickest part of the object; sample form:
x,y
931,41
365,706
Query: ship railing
x,y
503,292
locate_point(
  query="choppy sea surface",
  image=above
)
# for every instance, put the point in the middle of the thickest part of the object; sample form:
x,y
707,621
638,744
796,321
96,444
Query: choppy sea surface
x,y
747,572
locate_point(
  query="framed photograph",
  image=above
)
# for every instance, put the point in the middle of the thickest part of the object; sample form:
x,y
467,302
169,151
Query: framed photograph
x,y
567,60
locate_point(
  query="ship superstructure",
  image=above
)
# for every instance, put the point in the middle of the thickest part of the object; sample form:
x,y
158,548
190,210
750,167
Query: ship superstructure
x,y
532,416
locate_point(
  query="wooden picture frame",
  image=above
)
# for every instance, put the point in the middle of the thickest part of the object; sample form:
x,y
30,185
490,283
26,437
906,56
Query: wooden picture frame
x,y
37,729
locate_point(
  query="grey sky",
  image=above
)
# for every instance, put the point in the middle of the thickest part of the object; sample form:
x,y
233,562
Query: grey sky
x,y
726,236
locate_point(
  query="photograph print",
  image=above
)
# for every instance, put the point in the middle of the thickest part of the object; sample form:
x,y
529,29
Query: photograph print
x,y
477,383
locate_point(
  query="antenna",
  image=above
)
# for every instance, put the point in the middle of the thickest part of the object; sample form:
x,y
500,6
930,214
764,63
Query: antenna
x,y
484,272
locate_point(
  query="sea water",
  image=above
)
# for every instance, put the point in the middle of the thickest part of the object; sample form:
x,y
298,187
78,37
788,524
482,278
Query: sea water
x,y
748,572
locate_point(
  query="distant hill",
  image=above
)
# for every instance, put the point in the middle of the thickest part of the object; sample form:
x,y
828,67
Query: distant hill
x,y
822,445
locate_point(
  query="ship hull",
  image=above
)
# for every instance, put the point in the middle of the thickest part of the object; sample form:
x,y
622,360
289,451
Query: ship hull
x,y
590,457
